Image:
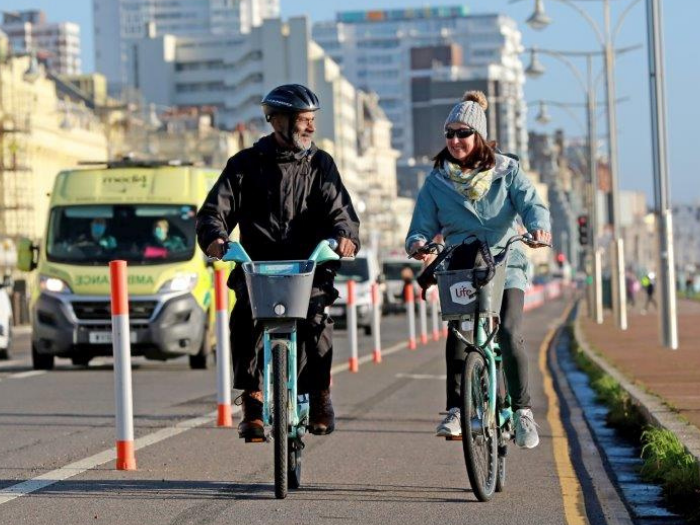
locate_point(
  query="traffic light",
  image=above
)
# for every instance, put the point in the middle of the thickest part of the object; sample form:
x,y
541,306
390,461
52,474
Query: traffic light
x,y
583,232
561,259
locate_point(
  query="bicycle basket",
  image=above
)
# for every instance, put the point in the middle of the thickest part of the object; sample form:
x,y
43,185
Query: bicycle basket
x,y
279,289
459,297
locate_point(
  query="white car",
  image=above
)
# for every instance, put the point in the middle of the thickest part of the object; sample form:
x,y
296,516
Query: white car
x,y
364,270
5,324
392,269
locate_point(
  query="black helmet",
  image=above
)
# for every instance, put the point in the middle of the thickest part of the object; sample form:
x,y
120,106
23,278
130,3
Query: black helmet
x,y
290,98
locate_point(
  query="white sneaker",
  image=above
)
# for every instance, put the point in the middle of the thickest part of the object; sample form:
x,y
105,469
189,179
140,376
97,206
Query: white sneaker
x,y
450,426
525,429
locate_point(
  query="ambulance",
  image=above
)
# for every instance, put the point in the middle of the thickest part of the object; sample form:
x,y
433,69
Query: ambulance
x,y
139,212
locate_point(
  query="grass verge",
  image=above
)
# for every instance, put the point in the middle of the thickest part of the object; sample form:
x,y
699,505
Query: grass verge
x,y
666,461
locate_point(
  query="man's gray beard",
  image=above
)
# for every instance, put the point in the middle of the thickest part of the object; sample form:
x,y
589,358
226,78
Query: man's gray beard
x,y
299,142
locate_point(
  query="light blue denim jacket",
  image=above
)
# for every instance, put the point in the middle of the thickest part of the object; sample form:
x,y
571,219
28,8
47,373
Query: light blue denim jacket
x,y
440,208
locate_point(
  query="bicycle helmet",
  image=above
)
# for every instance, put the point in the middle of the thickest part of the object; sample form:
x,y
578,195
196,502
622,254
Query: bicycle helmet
x,y
289,98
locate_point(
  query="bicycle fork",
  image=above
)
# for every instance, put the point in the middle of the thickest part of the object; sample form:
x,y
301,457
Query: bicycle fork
x,y
284,335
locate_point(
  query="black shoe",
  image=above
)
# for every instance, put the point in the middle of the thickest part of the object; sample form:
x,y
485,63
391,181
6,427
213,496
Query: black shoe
x,y
252,425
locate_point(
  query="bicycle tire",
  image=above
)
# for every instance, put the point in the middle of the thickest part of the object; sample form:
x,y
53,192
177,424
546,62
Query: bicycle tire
x,y
504,431
280,430
479,438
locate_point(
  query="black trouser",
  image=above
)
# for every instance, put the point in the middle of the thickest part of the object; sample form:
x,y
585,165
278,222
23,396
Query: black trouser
x,y
512,347
314,345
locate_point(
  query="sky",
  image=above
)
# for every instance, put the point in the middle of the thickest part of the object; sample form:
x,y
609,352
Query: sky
x,y
569,31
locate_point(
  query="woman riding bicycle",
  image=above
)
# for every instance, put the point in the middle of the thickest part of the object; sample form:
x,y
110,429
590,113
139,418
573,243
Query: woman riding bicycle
x,y
475,193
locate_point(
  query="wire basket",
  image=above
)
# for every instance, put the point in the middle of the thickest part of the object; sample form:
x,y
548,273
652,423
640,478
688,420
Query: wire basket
x,y
459,298
279,289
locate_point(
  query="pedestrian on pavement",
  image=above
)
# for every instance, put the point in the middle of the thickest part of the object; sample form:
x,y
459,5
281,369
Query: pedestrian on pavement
x,y
631,286
690,286
648,285
475,193
285,195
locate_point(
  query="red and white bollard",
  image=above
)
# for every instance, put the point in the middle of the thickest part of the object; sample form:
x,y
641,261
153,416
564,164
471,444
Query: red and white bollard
x,y
121,349
351,316
376,318
434,313
223,351
423,312
410,311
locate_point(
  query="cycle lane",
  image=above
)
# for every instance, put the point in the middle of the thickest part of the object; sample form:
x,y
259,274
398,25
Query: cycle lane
x,y
383,464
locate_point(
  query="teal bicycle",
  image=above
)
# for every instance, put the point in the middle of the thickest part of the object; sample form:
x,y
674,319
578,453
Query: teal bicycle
x,y
470,301
279,294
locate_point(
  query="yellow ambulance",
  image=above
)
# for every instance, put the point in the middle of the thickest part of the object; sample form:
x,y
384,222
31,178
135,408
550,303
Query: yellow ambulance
x,y
140,212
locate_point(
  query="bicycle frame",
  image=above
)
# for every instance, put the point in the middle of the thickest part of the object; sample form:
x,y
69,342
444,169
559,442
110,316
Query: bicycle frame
x,y
485,345
283,330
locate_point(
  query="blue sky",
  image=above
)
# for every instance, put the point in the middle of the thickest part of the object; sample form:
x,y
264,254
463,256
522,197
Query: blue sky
x,y
568,32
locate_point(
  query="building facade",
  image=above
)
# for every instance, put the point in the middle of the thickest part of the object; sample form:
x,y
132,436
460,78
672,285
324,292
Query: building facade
x,y
233,75
686,234
56,44
41,133
119,23
374,51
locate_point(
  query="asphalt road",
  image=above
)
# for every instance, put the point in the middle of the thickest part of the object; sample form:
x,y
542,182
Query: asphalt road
x,y
381,465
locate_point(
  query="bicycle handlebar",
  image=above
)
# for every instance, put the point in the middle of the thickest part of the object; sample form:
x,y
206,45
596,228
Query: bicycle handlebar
x,y
436,247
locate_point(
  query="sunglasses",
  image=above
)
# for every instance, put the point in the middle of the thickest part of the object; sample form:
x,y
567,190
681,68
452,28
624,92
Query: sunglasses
x,y
463,133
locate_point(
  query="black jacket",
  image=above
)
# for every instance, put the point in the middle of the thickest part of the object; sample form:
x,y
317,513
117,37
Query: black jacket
x,y
283,202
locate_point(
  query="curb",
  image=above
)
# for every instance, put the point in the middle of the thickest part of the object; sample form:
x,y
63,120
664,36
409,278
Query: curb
x,y
651,407
588,459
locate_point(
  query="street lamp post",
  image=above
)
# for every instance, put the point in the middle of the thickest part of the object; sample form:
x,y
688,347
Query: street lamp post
x,y
667,270
539,21
588,86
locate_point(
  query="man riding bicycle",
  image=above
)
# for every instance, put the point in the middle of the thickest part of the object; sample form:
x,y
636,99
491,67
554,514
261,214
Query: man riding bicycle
x,y
285,195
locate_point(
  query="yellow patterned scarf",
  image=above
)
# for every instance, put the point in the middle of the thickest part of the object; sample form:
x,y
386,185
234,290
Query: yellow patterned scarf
x,y
473,184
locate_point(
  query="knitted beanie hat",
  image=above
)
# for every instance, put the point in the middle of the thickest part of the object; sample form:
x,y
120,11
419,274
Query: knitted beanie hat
x,y
470,112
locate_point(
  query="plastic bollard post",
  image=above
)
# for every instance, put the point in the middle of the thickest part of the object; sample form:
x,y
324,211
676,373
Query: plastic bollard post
x,y
410,311
223,351
354,364
121,348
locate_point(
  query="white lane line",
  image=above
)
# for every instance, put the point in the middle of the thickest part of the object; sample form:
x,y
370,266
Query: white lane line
x,y
366,359
31,373
83,465
422,376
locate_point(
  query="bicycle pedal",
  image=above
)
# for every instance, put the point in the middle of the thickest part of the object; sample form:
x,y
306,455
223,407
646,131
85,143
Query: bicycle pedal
x,y
256,439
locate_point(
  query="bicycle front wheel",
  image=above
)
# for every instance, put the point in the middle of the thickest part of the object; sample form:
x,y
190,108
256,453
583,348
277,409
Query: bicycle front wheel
x,y
479,436
280,428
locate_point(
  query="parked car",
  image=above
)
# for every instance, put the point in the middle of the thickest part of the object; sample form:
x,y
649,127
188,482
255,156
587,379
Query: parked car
x,y
364,270
5,322
394,272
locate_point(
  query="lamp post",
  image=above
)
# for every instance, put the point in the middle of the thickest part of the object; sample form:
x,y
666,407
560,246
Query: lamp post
x,y
536,69
538,21
667,270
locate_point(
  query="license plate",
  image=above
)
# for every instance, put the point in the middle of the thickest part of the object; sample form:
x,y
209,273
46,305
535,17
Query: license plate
x,y
105,338
336,310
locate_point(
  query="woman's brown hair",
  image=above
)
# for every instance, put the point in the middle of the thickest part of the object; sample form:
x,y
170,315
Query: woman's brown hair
x,y
482,155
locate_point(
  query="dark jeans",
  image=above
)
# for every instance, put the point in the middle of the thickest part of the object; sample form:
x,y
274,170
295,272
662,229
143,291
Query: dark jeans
x,y
512,346
314,345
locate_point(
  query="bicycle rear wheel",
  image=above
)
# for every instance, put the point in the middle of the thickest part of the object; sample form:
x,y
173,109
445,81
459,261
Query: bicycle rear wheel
x,y
479,436
280,430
